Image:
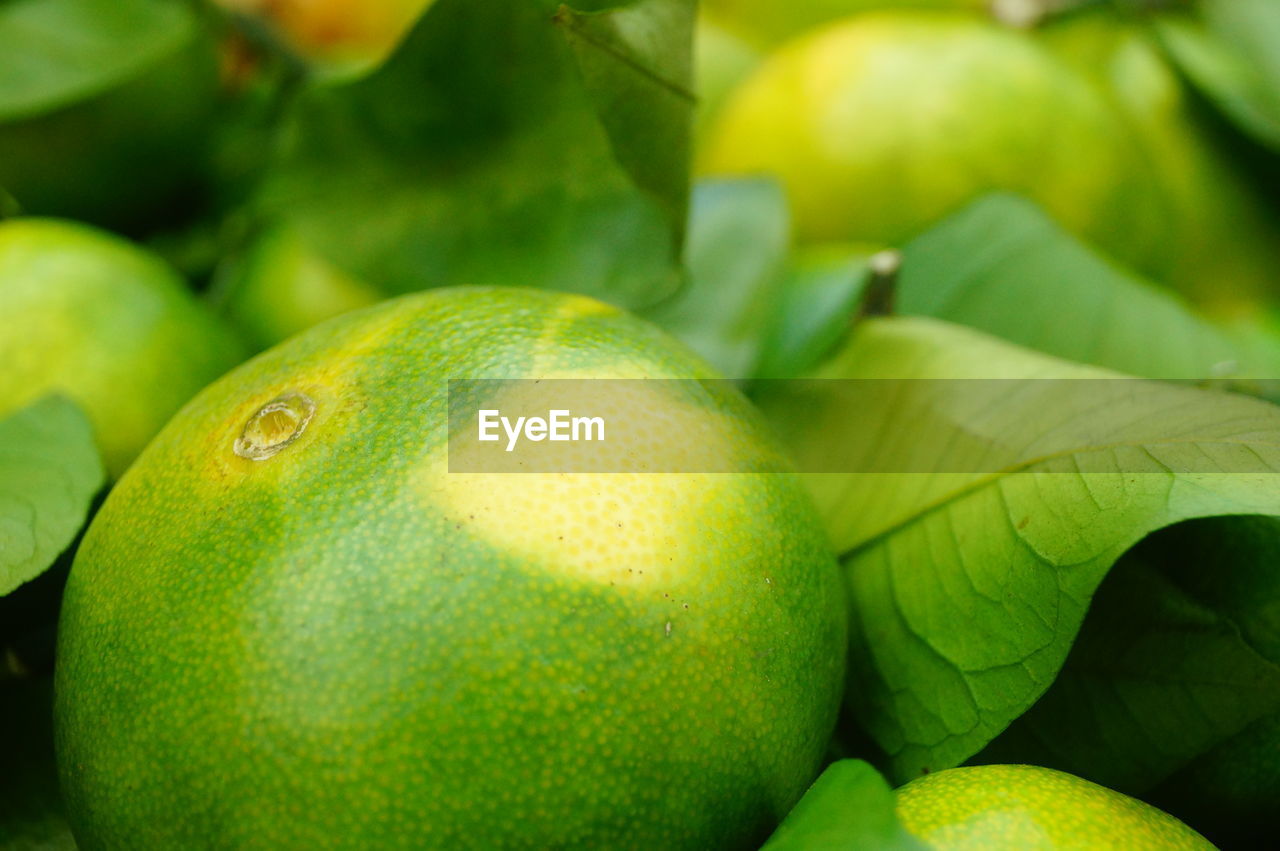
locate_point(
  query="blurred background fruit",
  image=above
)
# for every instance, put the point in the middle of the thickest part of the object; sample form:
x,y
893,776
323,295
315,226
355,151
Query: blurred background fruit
x,y
880,124
334,36
278,287
766,23
721,60
635,660
88,315
1222,248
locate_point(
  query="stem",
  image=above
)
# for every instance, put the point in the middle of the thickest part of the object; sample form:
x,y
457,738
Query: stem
x,y
1148,6
1026,14
883,287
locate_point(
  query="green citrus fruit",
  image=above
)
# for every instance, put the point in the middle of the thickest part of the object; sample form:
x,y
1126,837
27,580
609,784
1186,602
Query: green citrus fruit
x,y
88,315
121,151
1222,249
280,287
1026,808
323,638
879,125
721,60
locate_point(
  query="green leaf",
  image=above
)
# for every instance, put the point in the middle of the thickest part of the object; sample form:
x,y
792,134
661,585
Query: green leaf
x,y
739,235
993,510
641,90
31,811
503,143
849,808
1231,51
1229,793
49,472
749,306
57,52
1174,682
1157,677
818,297
1002,266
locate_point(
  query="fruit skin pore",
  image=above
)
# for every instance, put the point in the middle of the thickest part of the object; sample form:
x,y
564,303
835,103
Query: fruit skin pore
x,y
1025,807
88,315
345,646
879,125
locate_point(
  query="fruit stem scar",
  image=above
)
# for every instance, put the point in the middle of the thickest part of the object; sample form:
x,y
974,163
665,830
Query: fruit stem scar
x,y
274,426
878,298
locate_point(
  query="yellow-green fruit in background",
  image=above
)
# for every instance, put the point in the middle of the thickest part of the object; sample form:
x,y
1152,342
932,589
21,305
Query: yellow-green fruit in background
x,y
336,35
89,315
721,60
1029,808
124,153
326,639
1223,249
280,287
880,124
768,22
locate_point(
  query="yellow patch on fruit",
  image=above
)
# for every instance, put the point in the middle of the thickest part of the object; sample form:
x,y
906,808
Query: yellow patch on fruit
x,y
611,510
581,307
613,529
